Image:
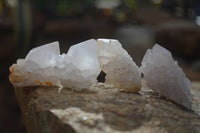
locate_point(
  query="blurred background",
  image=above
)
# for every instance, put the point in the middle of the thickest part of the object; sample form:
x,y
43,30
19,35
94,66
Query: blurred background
x,y
137,24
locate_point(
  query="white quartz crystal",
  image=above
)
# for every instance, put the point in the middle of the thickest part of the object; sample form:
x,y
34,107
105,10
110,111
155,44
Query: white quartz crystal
x,y
44,65
80,67
163,75
120,69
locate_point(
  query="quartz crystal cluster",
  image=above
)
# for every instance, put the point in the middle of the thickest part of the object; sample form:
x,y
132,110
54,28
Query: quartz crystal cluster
x,y
163,75
121,71
83,62
45,66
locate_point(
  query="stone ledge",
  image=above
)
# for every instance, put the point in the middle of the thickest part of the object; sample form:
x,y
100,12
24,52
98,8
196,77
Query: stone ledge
x,y
102,108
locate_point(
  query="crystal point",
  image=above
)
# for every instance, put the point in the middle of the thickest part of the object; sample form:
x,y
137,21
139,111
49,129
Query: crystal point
x,y
44,55
120,69
163,75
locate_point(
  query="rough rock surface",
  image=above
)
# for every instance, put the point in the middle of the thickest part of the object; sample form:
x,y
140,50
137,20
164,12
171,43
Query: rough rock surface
x,y
45,66
163,75
121,71
104,109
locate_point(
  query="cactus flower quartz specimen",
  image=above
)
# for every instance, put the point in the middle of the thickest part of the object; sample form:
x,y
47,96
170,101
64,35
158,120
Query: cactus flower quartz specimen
x,y
45,66
163,75
79,68
121,71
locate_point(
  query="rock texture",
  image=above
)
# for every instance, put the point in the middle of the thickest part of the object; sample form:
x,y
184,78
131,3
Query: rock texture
x,y
163,75
104,109
121,71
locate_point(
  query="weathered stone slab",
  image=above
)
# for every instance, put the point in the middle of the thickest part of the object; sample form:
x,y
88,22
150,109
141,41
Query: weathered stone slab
x,y
103,108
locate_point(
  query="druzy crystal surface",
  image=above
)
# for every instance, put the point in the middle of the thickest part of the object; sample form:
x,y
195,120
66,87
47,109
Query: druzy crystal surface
x,y
121,71
163,75
45,66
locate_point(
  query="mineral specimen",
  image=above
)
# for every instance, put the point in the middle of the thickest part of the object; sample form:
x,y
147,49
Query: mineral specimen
x,y
45,66
121,71
80,67
163,75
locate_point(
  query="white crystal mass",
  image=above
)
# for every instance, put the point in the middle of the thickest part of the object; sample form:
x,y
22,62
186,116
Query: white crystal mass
x,y
121,71
44,65
83,62
163,75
